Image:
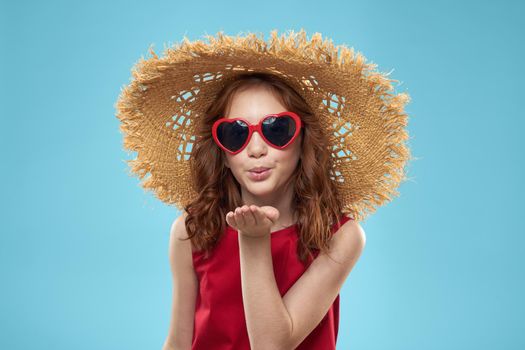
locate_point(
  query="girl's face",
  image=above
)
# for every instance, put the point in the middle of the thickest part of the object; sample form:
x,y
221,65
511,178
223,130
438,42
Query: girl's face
x,y
253,104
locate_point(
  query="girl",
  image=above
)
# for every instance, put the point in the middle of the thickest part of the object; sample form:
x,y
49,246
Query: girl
x,y
263,246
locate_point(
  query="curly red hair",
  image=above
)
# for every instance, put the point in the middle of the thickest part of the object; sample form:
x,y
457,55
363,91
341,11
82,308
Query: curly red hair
x,y
316,202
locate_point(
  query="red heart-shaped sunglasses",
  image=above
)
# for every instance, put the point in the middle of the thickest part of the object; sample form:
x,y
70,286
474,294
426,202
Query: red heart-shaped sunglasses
x,y
278,130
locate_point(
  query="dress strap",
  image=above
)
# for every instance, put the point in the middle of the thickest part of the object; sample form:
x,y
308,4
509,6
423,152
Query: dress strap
x,y
341,222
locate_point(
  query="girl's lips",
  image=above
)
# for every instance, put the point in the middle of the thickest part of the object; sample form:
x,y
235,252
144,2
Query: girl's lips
x,y
259,176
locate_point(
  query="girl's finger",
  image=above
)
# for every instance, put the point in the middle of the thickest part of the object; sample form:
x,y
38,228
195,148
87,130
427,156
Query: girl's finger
x,y
255,213
239,217
259,216
249,216
231,218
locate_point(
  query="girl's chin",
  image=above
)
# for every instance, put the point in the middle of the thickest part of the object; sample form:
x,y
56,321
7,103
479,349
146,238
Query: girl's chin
x,y
260,189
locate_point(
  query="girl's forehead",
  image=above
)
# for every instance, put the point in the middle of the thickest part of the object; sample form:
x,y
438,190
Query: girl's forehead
x,y
253,104
255,110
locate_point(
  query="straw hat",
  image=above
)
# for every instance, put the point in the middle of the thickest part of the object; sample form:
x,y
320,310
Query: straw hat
x,y
364,118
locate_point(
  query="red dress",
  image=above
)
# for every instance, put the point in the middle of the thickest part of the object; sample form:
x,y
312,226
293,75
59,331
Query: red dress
x,y
220,323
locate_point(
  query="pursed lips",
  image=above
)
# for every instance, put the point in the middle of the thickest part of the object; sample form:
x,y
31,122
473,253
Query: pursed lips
x,y
258,169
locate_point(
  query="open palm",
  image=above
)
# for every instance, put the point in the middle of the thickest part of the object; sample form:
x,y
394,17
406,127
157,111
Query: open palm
x,y
252,220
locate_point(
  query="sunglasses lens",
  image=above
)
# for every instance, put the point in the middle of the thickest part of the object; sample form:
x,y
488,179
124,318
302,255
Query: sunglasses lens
x,y
279,130
232,135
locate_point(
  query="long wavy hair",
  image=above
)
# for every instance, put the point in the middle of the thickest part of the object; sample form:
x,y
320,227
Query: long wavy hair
x,y
315,199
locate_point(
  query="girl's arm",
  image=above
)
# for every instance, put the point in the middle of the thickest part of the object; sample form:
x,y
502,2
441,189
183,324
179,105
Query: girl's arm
x,y
185,287
283,323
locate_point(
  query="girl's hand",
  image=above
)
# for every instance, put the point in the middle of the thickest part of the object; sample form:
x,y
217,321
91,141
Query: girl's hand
x,y
253,221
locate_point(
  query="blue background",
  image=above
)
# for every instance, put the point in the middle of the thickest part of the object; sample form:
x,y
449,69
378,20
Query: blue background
x,y
83,250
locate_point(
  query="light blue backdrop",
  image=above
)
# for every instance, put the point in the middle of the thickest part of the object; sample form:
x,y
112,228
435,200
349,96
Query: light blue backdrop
x,y
83,250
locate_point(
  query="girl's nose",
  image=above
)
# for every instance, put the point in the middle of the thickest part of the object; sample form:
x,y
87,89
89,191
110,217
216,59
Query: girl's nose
x,y
256,146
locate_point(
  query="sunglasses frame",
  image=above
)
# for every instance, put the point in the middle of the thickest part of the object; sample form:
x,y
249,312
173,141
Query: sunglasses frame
x,y
258,128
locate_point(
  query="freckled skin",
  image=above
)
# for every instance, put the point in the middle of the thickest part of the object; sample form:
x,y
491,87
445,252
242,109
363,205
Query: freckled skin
x,y
253,104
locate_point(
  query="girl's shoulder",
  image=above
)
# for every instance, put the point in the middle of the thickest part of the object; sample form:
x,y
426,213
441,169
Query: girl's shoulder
x,y
178,229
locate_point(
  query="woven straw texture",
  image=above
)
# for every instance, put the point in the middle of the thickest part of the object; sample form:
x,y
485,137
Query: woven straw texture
x,y
355,103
